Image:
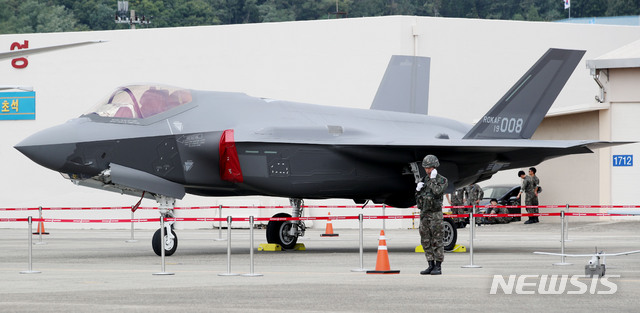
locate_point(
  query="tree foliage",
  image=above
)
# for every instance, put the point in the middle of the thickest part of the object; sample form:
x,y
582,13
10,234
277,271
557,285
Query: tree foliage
x,y
28,16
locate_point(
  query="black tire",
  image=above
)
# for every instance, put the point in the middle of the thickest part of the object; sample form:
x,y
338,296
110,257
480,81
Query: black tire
x,y
156,243
450,234
277,232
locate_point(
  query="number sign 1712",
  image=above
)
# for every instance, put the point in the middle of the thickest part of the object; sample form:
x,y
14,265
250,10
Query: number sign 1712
x,y
623,160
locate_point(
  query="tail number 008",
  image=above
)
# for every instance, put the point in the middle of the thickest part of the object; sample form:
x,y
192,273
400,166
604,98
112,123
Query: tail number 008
x,y
510,125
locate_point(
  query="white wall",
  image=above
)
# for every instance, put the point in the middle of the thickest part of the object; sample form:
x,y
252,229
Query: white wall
x,y
624,98
332,62
573,179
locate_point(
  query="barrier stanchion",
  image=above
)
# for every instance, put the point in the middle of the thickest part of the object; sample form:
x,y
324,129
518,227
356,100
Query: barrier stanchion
x,y
566,226
228,273
131,239
251,273
384,220
40,228
30,242
162,245
562,257
219,224
471,234
360,222
413,219
473,221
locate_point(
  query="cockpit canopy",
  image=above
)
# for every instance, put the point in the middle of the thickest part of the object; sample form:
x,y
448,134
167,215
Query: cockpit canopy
x,y
141,101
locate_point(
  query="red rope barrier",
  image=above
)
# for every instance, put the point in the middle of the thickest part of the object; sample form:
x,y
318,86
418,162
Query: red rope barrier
x,y
312,218
325,207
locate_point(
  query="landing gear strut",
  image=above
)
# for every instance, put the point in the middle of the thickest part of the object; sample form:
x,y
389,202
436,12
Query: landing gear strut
x,y
286,233
170,240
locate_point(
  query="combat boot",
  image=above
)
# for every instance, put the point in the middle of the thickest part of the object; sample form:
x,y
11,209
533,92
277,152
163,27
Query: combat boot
x,y
437,270
432,265
529,221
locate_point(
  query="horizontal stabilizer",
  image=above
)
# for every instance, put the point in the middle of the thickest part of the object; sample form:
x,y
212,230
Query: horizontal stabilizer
x,y
405,85
521,110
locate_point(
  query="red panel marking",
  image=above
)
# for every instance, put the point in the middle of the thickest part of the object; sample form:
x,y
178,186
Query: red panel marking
x,y
229,163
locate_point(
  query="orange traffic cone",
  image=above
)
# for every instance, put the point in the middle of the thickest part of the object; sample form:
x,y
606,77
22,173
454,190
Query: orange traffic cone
x,y
328,232
40,230
382,263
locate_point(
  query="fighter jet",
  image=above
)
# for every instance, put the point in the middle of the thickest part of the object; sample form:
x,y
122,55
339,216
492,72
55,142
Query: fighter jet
x,y
164,142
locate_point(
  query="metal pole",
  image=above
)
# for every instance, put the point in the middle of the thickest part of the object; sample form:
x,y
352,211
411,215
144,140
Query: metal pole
x,y
562,257
384,221
361,269
162,246
219,224
566,227
30,240
228,273
40,242
132,239
473,222
471,235
251,273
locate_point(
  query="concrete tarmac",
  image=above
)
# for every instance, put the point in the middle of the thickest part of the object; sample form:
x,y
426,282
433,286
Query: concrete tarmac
x,y
95,270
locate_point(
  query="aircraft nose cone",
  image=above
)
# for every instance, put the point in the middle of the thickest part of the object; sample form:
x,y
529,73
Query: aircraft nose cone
x,y
41,149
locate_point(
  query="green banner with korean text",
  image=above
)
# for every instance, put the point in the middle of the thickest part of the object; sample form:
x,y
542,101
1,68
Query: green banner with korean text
x,y
19,105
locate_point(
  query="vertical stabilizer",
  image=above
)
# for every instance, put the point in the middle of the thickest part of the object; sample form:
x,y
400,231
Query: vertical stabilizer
x,y
521,110
405,85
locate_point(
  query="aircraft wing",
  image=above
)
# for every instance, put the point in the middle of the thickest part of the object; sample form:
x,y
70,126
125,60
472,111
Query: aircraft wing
x,y
23,52
512,149
589,255
624,211
508,146
564,254
7,87
463,161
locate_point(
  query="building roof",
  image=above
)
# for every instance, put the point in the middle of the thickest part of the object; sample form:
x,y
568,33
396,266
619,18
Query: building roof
x,y
629,20
625,57
576,109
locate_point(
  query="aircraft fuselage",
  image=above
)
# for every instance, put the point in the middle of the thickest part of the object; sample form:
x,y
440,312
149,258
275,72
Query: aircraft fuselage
x,y
283,148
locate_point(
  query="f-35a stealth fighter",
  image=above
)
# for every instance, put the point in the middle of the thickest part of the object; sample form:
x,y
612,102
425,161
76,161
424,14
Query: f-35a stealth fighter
x,y
164,142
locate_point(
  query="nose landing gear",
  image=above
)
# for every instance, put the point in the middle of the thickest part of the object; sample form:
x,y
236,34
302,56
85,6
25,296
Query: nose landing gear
x,y
170,240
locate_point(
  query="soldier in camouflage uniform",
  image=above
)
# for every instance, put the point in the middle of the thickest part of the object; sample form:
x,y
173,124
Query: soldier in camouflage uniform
x,y
429,193
495,209
530,188
457,199
474,194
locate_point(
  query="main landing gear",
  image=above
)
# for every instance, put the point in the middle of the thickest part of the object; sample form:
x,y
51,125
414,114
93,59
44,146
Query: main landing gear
x,y
450,234
170,240
286,233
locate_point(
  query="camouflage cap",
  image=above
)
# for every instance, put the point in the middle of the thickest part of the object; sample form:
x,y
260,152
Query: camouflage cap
x,y
430,161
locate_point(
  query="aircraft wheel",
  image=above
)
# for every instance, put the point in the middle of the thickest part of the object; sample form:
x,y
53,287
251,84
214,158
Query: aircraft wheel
x,y
450,234
278,232
170,245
